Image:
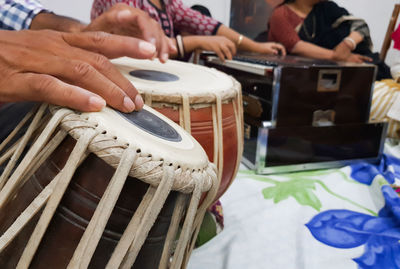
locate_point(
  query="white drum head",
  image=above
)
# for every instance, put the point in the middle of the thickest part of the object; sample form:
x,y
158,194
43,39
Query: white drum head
x,y
175,78
151,133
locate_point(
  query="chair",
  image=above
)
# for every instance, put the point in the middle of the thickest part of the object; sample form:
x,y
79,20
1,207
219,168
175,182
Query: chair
x,y
388,38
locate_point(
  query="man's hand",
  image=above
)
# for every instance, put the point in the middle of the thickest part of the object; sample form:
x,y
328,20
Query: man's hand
x,y
122,19
68,69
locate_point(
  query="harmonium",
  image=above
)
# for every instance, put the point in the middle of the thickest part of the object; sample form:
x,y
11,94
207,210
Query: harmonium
x,y
304,114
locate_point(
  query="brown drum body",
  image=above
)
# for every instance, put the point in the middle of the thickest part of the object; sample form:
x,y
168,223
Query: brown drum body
x,y
195,96
202,130
73,215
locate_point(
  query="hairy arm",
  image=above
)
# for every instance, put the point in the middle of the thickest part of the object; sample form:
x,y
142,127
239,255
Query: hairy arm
x,y
68,69
120,19
45,20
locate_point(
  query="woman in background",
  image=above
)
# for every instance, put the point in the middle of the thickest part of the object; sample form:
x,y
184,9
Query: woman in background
x,y
323,30
205,32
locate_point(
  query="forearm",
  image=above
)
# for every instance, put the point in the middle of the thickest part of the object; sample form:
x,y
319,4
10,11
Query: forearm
x,y
245,44
361,27
353,39
191,43
188,45
356,36
313,51
52,21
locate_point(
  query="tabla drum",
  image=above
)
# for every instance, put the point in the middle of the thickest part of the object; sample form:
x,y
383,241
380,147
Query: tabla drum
x,y
102,190
205,102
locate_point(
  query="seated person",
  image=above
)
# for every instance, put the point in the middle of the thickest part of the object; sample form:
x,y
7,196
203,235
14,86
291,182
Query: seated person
x,y
206,32
323,30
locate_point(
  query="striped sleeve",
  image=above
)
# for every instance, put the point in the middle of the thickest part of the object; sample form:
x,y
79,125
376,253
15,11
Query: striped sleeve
x,y
18,15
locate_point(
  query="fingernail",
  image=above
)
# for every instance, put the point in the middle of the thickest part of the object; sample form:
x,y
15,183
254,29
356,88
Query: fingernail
x,y
96,103
153,40
164,57
128,104
139,101
146,47
123,14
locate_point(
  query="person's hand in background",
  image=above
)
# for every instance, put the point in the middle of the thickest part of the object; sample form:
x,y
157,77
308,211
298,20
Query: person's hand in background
x,y
122,19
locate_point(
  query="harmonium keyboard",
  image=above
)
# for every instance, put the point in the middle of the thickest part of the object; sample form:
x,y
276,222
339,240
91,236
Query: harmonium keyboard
x,y
303,114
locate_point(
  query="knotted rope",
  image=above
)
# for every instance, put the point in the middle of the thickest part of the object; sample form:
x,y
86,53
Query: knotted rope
x,y
163,176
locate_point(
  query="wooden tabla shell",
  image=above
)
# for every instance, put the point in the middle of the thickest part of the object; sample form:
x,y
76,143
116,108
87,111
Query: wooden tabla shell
x,y
92,201
204,101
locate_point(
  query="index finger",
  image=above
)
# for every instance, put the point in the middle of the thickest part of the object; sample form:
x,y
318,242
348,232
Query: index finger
x,y
366,58
111,46
232,47
282,49
152,32
279,48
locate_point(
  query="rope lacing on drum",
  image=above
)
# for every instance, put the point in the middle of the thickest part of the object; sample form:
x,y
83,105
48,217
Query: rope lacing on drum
x,y
186,113
31,156
89,136
238,110
63,180
92,235
145,168
218,136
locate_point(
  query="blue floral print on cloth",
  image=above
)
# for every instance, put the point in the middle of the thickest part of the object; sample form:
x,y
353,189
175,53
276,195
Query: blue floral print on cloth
x,y
380,234
389,168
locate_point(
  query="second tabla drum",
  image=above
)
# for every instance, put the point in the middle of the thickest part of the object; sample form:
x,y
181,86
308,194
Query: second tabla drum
x,y
205,102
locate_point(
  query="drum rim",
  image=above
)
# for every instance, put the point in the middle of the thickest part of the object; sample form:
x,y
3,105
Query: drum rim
x,y
147,168
158,95
206,98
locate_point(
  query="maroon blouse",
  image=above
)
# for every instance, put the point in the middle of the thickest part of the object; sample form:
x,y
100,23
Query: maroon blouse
x,y
282,27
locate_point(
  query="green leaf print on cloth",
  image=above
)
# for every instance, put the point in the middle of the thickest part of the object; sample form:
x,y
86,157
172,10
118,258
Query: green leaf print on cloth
x,y
302,187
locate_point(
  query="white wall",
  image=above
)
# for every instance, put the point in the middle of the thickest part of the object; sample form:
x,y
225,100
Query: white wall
x,y
377,13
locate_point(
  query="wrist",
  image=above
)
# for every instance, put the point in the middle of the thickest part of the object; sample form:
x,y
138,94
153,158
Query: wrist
x,y
332,55
356,36
46,20
350,43
75,28
239,41
180,46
